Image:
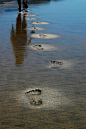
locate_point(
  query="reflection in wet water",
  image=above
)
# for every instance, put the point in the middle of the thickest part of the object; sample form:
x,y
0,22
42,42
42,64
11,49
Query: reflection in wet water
x,y
62,101
19,39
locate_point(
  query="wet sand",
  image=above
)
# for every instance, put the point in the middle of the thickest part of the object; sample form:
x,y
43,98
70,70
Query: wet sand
x,y
24,67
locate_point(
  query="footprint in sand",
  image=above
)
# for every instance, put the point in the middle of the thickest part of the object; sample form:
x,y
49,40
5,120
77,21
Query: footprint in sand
x,y
60,64
43,47
34,97
35,28
42,98
45,36
38,22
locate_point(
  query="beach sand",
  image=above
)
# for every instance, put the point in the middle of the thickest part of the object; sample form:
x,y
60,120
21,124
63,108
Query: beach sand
x,y
24,68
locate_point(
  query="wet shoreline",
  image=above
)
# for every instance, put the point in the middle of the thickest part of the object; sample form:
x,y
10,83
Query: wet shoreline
x,y
42,66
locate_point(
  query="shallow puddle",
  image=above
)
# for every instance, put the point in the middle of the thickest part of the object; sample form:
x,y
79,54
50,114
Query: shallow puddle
x,y
43,82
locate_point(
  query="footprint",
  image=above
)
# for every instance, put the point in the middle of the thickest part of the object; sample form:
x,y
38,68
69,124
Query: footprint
x,y
45,36
35,102
33,97
34,92
31,15
49,98
55,64
38,22
38,47
31,18
43,47
61,64
35,28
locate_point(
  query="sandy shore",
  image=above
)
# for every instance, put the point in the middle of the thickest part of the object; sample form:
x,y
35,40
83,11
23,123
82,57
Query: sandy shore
x,y
25,65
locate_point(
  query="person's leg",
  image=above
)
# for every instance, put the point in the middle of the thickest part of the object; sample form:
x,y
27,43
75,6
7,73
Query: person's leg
x,y
19,3
25,6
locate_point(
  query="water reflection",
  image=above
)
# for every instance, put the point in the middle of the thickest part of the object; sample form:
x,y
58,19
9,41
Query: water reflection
x,y
19,39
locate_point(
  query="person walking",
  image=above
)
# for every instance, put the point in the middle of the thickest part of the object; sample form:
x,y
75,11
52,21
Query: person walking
x,y
25,5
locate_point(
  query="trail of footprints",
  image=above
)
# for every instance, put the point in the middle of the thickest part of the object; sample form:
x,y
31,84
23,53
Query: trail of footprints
x,y
34,95
54,63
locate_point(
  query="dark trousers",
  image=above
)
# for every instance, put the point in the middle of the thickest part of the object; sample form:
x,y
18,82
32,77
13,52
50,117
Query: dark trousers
x,y
19,3
24,4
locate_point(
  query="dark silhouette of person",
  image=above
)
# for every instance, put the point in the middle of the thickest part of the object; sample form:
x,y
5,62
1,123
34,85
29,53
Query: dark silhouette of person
x,y
19,39
25,5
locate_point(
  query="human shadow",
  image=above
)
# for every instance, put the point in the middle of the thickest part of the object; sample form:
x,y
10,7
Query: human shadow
x,y
19,39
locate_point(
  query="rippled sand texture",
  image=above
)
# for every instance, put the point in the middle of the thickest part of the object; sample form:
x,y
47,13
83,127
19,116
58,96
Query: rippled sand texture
x,y
43,65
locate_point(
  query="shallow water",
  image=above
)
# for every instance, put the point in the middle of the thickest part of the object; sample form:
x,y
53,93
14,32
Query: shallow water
x,y
23,68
